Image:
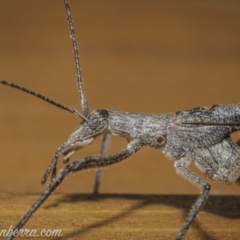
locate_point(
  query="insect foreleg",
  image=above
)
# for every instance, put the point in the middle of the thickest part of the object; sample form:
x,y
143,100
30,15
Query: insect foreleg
x,y
181,168
105,142
52,165
78,165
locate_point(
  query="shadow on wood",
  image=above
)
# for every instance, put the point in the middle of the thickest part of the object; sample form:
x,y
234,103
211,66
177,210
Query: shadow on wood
x,y
127,216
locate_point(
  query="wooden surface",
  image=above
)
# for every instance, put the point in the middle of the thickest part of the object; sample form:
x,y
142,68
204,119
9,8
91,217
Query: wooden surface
x,y
142,56
121,216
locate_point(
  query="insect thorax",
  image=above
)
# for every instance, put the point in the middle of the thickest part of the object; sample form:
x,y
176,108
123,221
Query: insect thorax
x,y
149,128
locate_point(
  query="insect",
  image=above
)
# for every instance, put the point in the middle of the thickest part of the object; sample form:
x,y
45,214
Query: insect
x,y
200,135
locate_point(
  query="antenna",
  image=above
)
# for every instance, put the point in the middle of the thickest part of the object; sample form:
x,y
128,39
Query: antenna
x,y
77,61
49,100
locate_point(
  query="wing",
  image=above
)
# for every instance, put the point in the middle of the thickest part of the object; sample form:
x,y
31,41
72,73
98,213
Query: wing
x,y
227,115
204,126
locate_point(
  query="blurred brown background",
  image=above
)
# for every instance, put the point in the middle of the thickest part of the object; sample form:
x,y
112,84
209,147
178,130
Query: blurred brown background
x,y
142,56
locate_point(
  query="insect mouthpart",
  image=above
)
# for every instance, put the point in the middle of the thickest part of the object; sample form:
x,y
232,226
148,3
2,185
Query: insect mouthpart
x,y
71,148
67,155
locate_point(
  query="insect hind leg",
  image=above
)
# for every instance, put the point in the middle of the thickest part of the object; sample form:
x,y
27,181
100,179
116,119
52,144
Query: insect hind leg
x,y
181,168
227,154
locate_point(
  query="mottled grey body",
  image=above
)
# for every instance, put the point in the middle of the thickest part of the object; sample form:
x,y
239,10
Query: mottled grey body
x,y
201,134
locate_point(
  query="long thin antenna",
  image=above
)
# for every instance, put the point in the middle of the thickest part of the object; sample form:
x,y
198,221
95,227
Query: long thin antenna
x,y
49,100
77,61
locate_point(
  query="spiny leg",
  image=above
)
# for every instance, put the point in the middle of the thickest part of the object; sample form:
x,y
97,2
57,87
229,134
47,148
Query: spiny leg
x,y
181,168
53,164
104,145
196,207
84,163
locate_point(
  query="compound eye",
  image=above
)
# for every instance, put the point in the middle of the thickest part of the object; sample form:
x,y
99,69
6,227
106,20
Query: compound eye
x,y
93,123
104,113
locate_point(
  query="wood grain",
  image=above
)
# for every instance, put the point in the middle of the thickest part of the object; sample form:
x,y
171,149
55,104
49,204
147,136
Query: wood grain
x,y
124,216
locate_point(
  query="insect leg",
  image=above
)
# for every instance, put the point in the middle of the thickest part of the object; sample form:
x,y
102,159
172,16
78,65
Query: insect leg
x,y
53,164
181,168
105,142
84,163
